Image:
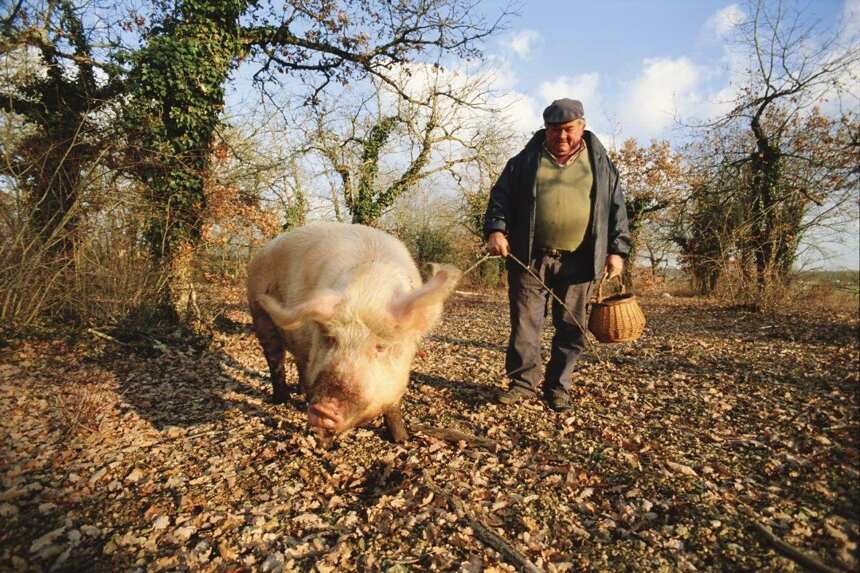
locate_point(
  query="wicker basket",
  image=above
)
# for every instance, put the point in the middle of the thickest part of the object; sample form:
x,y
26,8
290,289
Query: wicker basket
x,y
617,318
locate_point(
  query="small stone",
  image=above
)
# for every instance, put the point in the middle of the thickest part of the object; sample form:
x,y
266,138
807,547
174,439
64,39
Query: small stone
x,y
74,536
74,478
91,530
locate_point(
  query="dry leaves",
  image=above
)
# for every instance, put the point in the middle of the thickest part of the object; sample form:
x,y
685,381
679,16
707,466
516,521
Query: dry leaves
x,y
112,460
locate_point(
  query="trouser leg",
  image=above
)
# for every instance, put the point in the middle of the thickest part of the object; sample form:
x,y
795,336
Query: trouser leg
x,y
569,325
527,301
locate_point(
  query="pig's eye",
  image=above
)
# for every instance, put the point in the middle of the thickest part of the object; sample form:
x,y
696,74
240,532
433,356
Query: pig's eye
x,y
380,348
328,339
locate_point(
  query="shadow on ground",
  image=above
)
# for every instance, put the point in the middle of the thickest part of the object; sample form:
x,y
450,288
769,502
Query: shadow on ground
x,y
473,396
194,387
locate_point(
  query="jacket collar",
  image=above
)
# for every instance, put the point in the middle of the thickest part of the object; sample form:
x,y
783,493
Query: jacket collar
x,y
535,144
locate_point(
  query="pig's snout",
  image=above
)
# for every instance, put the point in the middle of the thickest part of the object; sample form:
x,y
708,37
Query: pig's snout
x,y
326,415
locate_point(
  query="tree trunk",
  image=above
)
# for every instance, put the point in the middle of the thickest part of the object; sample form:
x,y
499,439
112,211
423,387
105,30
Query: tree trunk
x,y
765,182
53,196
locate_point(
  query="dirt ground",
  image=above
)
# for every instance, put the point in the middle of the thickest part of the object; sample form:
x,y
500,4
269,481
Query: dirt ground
x,y
116,456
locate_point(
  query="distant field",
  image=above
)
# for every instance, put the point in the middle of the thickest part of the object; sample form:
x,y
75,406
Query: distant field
x,y
837,278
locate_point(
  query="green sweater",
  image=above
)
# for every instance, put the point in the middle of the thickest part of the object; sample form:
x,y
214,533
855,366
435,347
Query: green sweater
x,y
563,205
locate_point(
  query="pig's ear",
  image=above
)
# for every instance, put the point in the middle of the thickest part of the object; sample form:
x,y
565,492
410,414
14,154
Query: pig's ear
x,y
320,307
420,309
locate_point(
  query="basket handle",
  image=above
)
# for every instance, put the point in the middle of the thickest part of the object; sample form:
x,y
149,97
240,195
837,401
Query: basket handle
x,y
604,279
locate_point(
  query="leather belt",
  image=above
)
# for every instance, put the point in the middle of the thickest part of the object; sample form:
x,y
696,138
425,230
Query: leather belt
x,y
553,252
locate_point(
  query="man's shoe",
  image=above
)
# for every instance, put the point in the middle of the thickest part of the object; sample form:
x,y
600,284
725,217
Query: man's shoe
x,y
559,400
515,394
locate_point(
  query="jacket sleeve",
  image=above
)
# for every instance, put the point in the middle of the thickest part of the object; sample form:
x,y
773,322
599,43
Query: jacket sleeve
x,y
618,240
498,214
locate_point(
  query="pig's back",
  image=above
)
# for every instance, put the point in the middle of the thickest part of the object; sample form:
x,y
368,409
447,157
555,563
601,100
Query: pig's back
x,y
324,256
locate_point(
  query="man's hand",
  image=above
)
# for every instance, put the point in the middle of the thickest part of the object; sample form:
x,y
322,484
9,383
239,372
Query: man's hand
x,y
614,266
497,244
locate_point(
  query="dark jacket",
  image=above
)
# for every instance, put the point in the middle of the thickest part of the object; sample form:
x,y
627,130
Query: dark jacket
x,y
511,208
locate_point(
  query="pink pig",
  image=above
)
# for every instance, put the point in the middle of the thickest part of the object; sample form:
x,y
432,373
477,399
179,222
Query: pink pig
x,y
348,303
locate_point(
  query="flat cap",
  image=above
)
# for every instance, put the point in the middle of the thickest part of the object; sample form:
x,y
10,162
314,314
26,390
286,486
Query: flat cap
x,y
563,110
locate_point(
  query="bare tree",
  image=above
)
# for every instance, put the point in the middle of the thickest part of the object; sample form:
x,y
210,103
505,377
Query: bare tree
x,y
58,78
794,69
192,47
387,144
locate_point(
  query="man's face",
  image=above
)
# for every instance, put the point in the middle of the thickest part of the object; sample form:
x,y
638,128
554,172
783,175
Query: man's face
x,y
563,138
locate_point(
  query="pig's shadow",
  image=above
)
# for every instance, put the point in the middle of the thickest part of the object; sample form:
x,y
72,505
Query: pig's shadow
x,y
473,396
229,326
195,388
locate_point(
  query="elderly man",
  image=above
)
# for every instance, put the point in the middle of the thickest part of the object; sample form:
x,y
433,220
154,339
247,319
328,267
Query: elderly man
x,y
558,207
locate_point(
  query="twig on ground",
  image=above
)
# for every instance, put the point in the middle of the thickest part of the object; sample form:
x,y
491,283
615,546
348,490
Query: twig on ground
x,y
451,435
468,293
787,550
95,332
483,533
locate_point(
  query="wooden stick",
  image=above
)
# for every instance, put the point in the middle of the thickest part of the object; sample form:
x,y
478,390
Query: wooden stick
x,y
105,336
451,435
790,551
505,549
483,533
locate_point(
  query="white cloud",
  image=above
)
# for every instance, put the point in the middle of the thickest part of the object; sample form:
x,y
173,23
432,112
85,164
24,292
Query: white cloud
x,y
664,91
722,22
520,111
582,87
587,89
523,41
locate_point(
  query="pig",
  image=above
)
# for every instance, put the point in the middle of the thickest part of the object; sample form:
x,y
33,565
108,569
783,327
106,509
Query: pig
x,y
347,301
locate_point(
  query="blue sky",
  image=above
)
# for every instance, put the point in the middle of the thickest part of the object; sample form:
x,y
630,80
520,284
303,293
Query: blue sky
x,y
635,64
641,66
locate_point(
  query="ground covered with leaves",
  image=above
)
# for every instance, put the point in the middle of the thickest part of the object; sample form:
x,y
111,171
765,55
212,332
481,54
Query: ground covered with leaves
x,y
682,448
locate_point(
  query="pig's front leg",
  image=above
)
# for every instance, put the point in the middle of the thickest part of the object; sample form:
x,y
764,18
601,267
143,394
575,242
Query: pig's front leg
x,y
273,349
394,421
